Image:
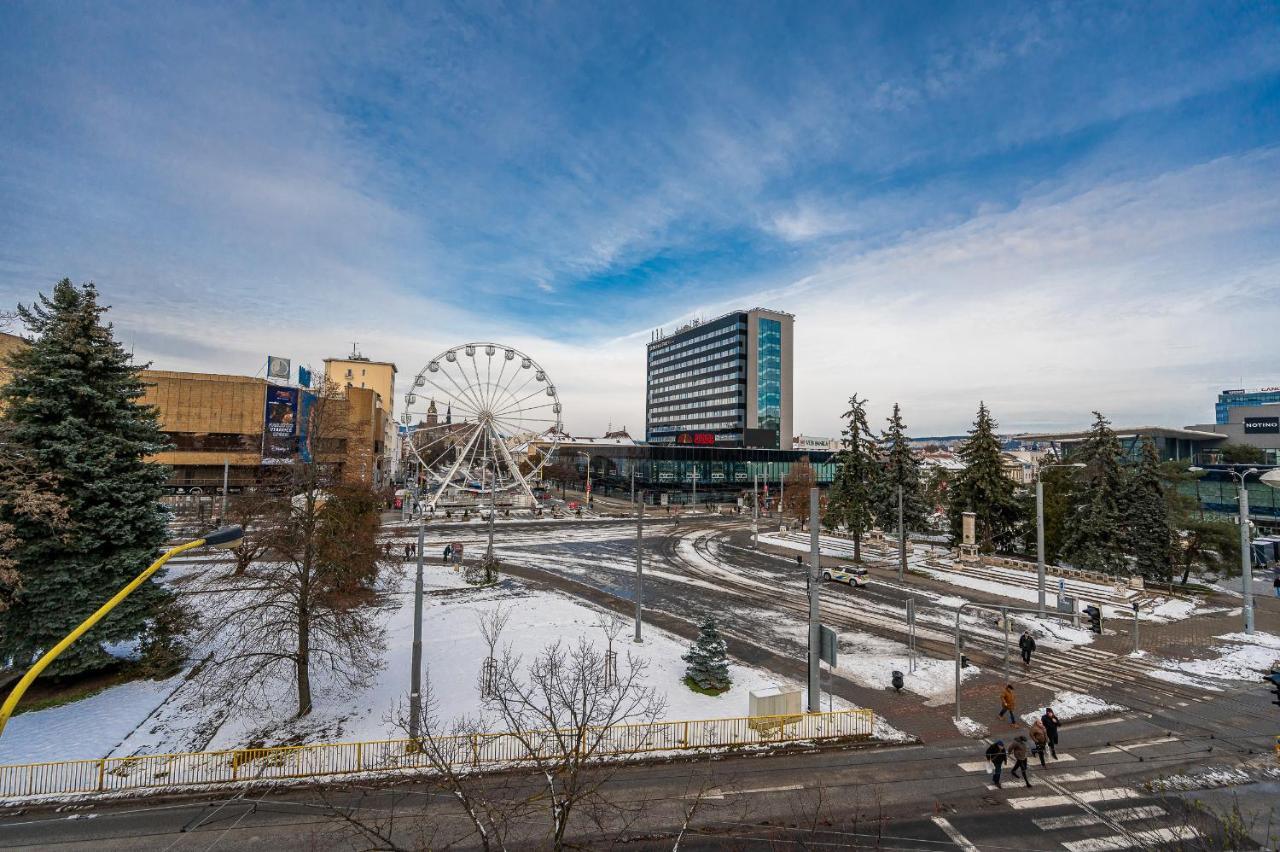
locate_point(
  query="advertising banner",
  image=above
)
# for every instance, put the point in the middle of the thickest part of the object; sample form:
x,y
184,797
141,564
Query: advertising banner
x,y
278,368
306,403
280,425
1262,425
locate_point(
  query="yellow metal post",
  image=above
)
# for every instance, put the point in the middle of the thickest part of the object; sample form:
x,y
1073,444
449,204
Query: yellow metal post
x,y
49,656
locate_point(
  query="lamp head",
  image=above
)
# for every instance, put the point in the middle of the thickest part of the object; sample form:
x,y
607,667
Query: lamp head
x,y
1271,477
1195,469
1250,471
226,538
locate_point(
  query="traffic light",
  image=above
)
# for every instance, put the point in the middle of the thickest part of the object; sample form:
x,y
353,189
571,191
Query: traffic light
x,y
1274,680
1095,618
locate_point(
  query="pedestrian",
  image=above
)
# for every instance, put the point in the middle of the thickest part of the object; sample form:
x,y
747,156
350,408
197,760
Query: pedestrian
x,y
1276,585
1050,721
448,553
386,549
1018,751
406,551
1007,705
996,755
1027,644
1039,740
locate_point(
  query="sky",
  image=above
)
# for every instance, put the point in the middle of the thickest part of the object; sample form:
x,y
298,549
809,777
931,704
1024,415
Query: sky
x,y
1054,208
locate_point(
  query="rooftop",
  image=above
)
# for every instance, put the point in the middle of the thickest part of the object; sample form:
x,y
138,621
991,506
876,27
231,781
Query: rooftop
x,y
1125,432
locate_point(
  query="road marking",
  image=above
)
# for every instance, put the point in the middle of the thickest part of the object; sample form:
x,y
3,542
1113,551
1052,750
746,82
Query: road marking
x,y
1118,841
985,765
1067,778
765,790
1088,796
1140,744
1082,820
962,843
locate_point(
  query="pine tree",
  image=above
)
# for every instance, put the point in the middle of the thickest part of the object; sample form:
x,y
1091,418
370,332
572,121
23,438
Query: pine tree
x,y
1150,530
901,468
708,659
982,488
1097,537
857,468
72,408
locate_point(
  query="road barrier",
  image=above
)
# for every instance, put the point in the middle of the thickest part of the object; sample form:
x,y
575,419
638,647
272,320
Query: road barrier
x,y
483,750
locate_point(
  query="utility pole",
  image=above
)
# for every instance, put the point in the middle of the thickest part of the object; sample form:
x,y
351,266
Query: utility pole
x,y
902,540
815,639
415,676
693,477
226,476
639,569
755,510
1246,560
633,482
1039,545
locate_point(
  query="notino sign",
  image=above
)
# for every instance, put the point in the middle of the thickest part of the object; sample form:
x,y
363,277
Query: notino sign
x,y
1262,425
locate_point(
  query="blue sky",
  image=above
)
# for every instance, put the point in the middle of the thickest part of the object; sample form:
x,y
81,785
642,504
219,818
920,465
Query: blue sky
x,y
1052,207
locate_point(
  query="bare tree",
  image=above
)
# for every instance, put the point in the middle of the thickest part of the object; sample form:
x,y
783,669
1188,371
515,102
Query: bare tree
x,y
798,481
29,509
255,512
315,604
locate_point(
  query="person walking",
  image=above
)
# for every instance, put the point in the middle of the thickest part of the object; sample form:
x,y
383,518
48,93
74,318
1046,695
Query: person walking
x,y
1050,722
406,551
1039,740
996,755
386,549
1007,705
448,553
1027,644
1018,751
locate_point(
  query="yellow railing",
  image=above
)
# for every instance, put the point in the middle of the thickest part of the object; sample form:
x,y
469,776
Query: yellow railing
x,y
479,750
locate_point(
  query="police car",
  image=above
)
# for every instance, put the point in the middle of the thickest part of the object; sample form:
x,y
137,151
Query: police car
x,y
852,576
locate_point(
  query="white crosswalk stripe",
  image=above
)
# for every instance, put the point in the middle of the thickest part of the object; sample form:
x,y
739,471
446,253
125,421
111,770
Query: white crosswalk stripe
x,y
1107,794
1083,820
1139,839
985,766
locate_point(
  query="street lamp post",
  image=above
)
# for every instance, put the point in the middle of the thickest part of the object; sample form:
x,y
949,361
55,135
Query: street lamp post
x,y
1040,532
226,538
902,541
1271,478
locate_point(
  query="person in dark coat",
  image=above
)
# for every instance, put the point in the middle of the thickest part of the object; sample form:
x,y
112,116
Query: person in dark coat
x,y
1028,644
448,552
407,549
997,756
1050,721
1018,751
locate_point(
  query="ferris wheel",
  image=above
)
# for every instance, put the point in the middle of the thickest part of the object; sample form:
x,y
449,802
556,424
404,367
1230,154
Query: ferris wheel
x,y
479,407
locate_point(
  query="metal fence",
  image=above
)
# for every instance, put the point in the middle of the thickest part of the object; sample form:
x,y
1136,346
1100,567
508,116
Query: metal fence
x,y
114,774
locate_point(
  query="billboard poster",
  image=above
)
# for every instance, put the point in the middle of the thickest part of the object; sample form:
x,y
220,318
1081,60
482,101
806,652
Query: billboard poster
x,y
278,368
306,402
280,425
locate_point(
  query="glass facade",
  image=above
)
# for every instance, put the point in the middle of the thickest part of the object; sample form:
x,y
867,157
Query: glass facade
x,y
696,386
1218,493
1236,398
769,374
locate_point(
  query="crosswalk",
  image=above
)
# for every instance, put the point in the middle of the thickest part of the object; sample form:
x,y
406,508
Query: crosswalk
x,y
1093,815
1087,670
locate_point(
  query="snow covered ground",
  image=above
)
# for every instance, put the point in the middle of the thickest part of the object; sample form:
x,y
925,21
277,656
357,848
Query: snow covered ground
x,y
1239,656
155,717
1073,706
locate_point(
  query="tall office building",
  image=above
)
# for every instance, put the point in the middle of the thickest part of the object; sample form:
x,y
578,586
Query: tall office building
x,y
1241,398
724,382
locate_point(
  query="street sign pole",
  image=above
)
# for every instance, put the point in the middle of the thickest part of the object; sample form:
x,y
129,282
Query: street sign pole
x,y
815,638
415,676
639,568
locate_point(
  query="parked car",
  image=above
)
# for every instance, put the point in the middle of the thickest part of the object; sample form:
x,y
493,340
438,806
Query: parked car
x,y
840,575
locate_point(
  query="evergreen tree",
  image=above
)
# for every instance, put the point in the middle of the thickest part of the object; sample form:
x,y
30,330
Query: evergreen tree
x,y
857,468
1097,537
1150,531
1059,485
982,488
901,468
72,409
708,659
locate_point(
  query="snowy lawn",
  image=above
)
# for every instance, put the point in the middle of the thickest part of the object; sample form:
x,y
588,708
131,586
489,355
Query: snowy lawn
x,y
1073,706
453,650
1240,657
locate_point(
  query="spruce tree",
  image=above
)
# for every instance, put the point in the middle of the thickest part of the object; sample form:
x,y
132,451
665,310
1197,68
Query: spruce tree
x,y
901,468
857,468
708,659
1150,530
1097,537
982,488
72,408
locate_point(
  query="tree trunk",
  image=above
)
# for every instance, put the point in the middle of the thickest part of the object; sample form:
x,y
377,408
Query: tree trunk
x,y
303,660
857,546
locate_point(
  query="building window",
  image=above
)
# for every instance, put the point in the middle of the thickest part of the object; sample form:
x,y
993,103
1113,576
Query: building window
x,y
769,374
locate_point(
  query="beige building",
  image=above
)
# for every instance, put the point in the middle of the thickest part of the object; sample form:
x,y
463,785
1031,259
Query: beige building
x,y
9,343
358,371
211,419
